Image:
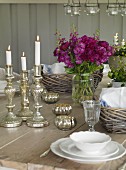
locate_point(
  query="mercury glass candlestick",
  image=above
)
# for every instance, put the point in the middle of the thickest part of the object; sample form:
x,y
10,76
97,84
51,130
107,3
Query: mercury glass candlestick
x,y
25,111
37,89
10,120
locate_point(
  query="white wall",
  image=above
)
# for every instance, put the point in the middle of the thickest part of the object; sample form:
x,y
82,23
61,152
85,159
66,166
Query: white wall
x,y
21,23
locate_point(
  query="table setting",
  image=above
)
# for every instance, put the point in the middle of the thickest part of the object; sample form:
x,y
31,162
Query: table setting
x,y
90,147
87,146
66,148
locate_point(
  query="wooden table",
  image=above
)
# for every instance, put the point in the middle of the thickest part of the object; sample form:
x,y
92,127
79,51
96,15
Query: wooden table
x,y
20,148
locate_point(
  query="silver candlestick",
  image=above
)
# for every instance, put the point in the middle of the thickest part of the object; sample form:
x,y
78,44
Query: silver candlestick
x,y
25,112
37,89
10,120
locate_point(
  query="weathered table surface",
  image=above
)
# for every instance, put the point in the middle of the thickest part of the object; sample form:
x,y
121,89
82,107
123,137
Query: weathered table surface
x,y
20,148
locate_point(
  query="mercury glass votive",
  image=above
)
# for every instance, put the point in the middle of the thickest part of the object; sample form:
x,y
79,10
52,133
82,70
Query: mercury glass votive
x,y
62,109
50,97
65,122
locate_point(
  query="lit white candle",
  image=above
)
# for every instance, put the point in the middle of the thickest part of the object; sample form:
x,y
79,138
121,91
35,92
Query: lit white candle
x,y
123,42
37,51
8,56
23,62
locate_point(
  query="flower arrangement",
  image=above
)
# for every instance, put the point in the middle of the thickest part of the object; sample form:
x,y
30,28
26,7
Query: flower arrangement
x,y
118,73
82,54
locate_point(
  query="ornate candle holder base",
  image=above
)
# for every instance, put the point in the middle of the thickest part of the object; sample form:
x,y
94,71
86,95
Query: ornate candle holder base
x,y
38,120
25,113
11,120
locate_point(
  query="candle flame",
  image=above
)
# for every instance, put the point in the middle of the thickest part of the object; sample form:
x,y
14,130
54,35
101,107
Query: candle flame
x,y
9,48
37,37
23,54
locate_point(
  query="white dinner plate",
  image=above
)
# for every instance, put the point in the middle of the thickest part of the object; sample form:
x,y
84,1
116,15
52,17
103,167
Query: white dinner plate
x,y
56,150
69,147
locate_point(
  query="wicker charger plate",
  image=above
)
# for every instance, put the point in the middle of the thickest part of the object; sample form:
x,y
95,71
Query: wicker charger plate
x,y
63,82
113,119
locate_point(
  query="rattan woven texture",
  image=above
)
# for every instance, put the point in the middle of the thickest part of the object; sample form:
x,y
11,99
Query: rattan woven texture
x,y
113,119
63,82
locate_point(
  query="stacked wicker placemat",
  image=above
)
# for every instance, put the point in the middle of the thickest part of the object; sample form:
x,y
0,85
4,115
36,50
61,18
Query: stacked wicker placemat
x,y
113,119
63,82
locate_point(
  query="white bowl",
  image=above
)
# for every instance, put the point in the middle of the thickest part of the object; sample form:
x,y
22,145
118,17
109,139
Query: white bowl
x,y
90,141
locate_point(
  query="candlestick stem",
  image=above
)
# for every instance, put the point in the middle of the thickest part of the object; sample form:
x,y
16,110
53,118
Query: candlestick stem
x,y
25,112
10,120
37,89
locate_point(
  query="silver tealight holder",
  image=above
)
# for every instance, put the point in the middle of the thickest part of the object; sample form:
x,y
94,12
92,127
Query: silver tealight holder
x,y
65,122
10,120
25,111
50,97
37,89
62,109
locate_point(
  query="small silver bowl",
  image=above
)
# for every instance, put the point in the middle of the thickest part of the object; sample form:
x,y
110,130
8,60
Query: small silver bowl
x,y
62,109
65,122
50,97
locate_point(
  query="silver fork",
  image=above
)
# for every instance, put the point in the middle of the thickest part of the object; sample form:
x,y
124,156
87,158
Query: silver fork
x,y
45,153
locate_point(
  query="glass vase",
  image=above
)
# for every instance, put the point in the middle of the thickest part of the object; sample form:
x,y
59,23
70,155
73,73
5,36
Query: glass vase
x,y
82,87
